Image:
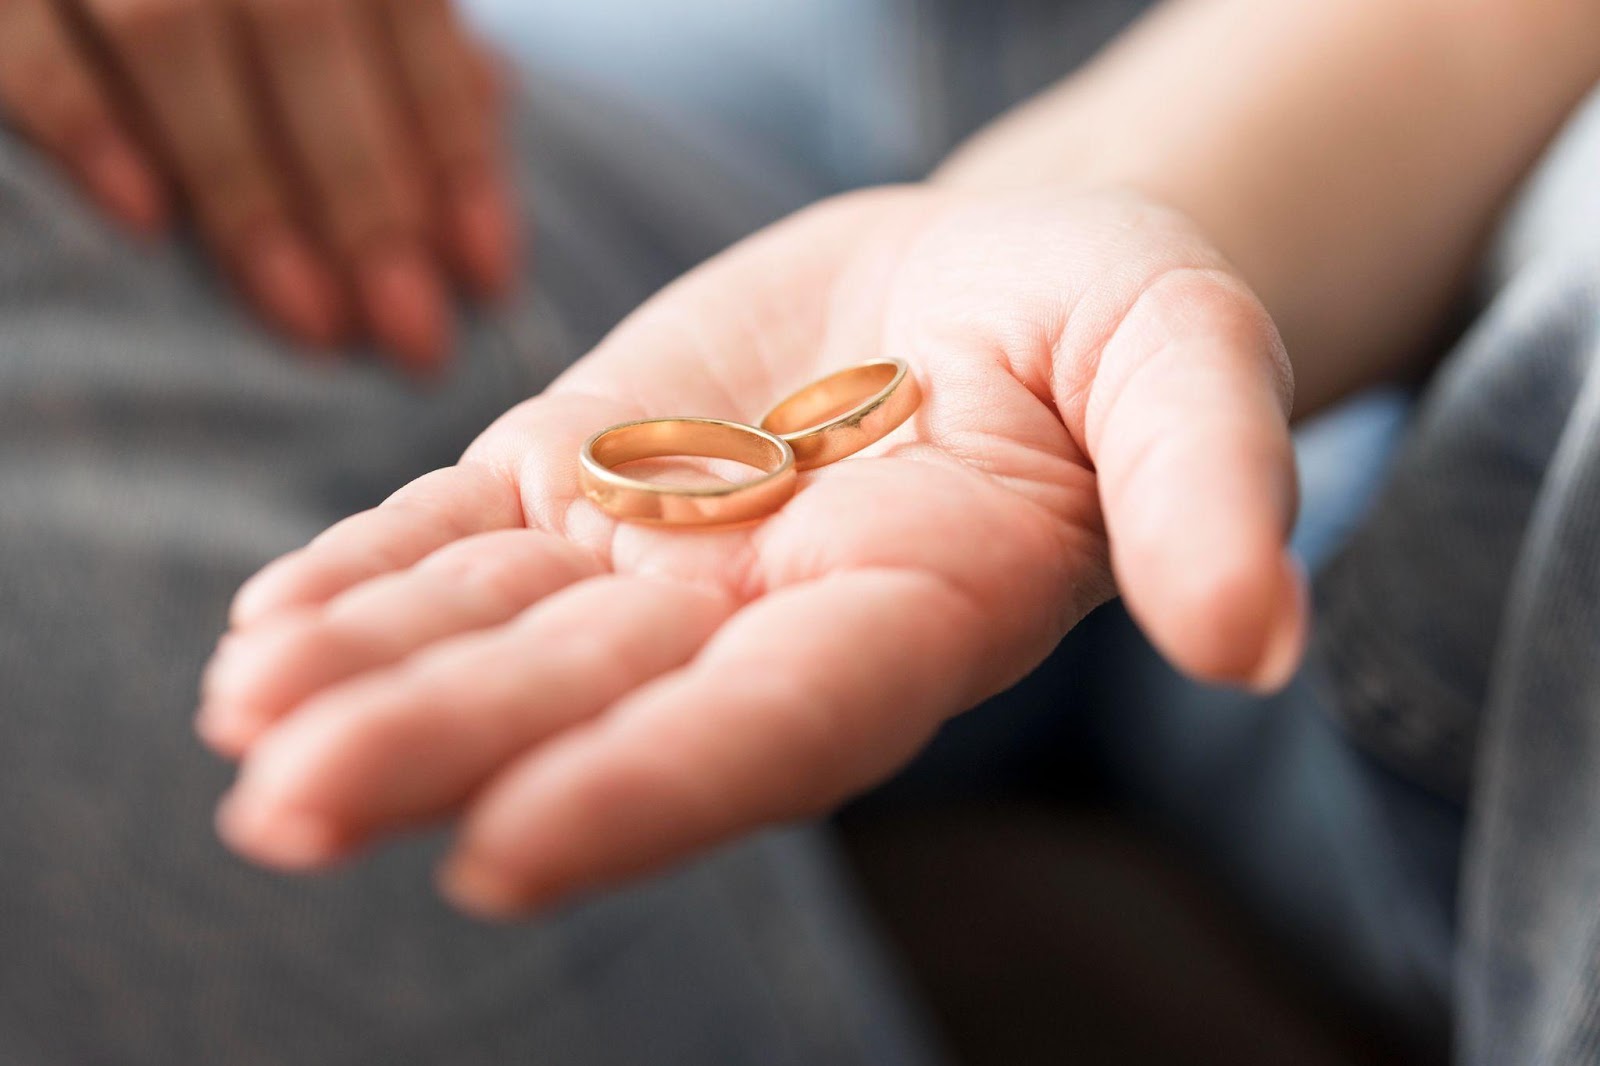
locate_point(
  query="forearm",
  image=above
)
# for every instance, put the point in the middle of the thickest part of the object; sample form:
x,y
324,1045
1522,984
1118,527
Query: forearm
x,y
1347,155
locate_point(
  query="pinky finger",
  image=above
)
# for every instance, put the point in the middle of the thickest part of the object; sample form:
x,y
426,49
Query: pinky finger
x,y
47,87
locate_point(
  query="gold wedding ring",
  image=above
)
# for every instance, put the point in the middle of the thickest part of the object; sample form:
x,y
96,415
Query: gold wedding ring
x,y
844,412
712,438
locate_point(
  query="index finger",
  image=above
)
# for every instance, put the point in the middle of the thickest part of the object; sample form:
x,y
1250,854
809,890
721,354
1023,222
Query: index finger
x,y
520,473
432,511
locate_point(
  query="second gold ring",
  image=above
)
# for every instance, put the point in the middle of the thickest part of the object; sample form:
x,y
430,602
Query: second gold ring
x,y
844,412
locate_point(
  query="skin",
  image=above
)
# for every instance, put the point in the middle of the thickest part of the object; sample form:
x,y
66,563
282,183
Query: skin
x,y
593,699
337,156
1347,156
1107,412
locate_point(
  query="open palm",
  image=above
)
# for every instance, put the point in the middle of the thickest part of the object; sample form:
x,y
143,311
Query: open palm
x,y
1105,411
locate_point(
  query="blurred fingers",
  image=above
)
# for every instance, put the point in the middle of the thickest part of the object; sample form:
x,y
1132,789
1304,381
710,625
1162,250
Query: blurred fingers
x,y
1188,429
186,66
344,130
49,87
440,73
263,673
410,744
781,715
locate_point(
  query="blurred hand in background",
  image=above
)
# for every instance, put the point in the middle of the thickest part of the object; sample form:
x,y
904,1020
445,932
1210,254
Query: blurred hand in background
x,y
338,157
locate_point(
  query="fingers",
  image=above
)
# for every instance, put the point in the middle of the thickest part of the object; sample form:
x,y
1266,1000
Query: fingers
x,y
260,675
427,514
182,59
322,71
520,472
50,89
440,72
410,744
1187,425
319,199
750,733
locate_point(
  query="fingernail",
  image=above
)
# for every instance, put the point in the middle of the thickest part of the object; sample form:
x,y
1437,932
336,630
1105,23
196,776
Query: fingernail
x,y
284,839
211,674
406,306
218,721
293,286
484,231
123,181
479,889
252,602
1286,641
229,735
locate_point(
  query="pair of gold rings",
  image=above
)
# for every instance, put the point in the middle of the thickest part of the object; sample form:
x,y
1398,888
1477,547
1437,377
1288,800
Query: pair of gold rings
x,y
822,423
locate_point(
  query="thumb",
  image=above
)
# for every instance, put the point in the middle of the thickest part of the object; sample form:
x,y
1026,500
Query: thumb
x,y
1187,424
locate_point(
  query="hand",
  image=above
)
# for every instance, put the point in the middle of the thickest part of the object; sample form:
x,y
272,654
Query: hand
x,y
1105,409
335,154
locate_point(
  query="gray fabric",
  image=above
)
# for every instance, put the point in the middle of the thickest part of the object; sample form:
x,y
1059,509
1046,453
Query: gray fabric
x,y
1461,627
1414,612
1531,953
1415,618
155,448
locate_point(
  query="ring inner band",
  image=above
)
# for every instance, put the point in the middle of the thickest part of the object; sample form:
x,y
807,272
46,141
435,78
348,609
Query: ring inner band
x,y
709,438
854,391
705,439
